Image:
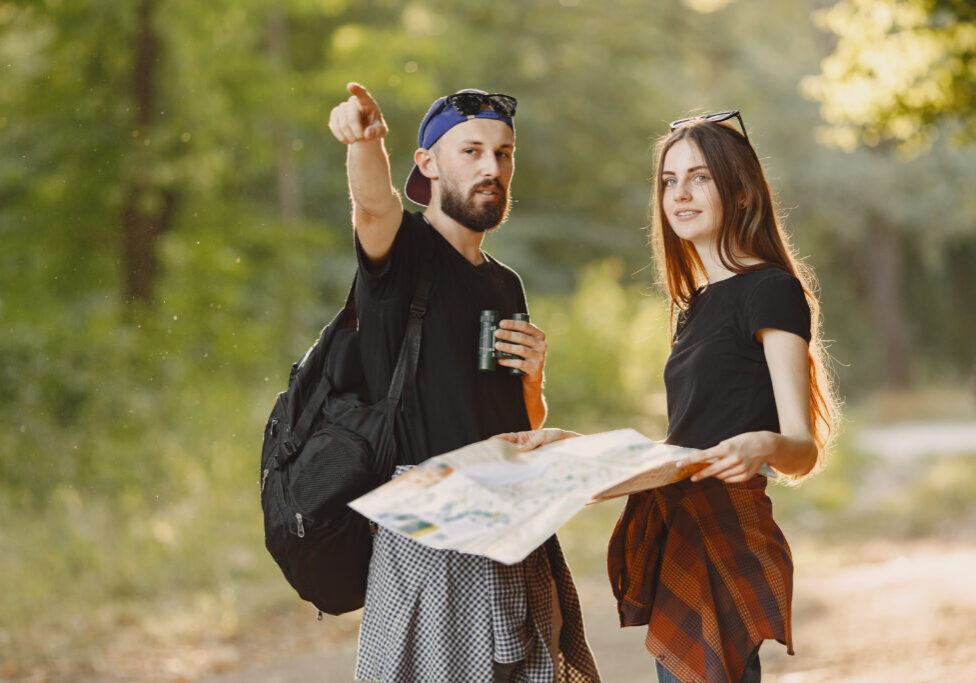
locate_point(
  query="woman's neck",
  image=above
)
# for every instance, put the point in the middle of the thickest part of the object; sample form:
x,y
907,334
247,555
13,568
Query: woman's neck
x,y
715,270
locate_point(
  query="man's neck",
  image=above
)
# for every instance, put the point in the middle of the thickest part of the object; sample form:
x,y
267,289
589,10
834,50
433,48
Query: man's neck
x,y
467,242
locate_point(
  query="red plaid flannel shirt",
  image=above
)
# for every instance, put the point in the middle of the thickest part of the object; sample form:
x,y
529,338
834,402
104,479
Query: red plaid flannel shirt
x,y
706,567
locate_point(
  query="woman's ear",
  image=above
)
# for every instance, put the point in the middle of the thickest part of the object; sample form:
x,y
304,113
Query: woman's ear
x,y
742,202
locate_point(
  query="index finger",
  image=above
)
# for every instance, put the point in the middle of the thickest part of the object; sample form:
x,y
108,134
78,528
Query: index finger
x,y
507,436
362,94
521,326
705,456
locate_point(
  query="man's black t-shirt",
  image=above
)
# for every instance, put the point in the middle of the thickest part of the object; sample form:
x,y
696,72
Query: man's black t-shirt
x,y
457,404
716,377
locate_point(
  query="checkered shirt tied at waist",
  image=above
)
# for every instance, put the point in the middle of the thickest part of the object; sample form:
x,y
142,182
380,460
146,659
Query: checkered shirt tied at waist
x,y
441,615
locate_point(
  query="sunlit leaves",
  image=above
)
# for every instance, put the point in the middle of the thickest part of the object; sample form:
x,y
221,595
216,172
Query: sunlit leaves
x,y
705,6
900,68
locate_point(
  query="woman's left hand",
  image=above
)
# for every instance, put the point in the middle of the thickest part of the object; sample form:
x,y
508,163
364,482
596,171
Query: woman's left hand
x,y
736,459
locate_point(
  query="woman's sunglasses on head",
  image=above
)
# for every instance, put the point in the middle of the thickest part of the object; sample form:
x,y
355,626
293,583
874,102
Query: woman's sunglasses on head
x,y
717,117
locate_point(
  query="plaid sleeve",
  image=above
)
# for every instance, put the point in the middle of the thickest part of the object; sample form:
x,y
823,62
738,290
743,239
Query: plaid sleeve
x,y
704,565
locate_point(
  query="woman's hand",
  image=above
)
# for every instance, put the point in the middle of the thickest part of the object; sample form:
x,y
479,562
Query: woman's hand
x,y
527,441
736,459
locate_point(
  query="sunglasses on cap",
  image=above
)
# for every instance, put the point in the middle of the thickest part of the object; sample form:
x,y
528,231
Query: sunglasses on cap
x,y
470,103
717,117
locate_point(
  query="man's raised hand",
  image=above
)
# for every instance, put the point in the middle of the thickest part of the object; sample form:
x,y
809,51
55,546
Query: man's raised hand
x,y
357,119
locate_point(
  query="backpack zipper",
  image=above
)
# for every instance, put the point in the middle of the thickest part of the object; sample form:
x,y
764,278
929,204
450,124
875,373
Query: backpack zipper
x,y
301,527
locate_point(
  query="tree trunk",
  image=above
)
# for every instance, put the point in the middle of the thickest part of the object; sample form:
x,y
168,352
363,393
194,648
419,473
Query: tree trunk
x,y
288,186
147,210
288,182
883,259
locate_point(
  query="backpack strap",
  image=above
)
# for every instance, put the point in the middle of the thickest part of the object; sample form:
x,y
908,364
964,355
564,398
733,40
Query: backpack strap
x,y
402,383
299,434
402,386
296,439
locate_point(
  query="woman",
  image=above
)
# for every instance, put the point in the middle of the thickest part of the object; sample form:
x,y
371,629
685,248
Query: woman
x,y
701,561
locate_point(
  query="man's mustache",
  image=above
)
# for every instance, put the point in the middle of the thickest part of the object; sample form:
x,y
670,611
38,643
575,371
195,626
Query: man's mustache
x,y
488,185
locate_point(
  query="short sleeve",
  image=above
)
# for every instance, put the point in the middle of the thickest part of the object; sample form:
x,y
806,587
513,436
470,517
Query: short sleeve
x,y
388,277
778,302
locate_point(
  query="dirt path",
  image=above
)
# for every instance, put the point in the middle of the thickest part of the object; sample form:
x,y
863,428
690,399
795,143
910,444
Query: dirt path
x,y
880,612
897,613
916,439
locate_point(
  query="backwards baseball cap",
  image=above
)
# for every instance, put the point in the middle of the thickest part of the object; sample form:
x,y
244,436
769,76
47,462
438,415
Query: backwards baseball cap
x,y
444,114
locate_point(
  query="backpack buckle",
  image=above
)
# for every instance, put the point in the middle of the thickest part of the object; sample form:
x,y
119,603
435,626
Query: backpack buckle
x,y
418,309
286,451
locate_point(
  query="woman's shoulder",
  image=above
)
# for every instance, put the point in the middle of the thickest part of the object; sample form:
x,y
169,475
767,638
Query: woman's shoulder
x,y
776,298
766,280
769,273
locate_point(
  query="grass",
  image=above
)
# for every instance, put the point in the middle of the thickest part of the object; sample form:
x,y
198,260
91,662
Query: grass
x,y
99,594
584,538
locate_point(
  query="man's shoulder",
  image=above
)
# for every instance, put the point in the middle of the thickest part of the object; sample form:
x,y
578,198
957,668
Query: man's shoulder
x,y
414,218
413,222
413,235
504,271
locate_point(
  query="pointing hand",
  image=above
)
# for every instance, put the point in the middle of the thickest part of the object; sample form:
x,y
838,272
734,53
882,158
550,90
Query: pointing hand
x,y
357,119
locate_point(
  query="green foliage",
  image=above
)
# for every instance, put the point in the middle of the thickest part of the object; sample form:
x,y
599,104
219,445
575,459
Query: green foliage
x,y
110,397
607,346
899,69
130,438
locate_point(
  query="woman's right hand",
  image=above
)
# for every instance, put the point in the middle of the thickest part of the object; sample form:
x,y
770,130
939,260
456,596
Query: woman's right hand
x,y
530,440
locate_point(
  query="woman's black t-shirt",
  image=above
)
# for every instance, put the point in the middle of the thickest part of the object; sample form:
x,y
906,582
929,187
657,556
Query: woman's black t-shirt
x,y
716,377
457,404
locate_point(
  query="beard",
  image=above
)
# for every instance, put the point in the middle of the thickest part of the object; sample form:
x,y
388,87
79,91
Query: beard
x,y
467,210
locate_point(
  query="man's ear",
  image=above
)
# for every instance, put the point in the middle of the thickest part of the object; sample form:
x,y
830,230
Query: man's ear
x,y
427,163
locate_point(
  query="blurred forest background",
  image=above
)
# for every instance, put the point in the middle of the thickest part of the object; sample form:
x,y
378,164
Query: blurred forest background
x,y
174,232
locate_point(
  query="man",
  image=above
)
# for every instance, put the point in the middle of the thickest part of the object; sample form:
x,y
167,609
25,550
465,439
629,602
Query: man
x,y
433,615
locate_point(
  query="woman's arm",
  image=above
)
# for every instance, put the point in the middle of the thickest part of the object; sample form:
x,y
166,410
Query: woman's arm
x,y
793,450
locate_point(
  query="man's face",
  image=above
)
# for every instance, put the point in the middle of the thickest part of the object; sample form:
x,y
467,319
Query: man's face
x,y
474,162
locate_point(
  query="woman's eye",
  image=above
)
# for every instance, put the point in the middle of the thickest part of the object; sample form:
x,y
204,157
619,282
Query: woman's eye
x,y
701,178
669,182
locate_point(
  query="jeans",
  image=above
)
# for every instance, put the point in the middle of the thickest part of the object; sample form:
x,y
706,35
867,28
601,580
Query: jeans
x,y
752,674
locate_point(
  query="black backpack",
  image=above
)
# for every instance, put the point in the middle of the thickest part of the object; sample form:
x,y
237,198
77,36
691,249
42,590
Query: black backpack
x,y
324,445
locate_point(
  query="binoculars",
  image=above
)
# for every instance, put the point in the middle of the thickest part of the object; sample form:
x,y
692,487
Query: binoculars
x,y
487,354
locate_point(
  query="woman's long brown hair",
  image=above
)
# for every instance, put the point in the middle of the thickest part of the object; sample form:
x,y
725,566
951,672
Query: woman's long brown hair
x,y
749,228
